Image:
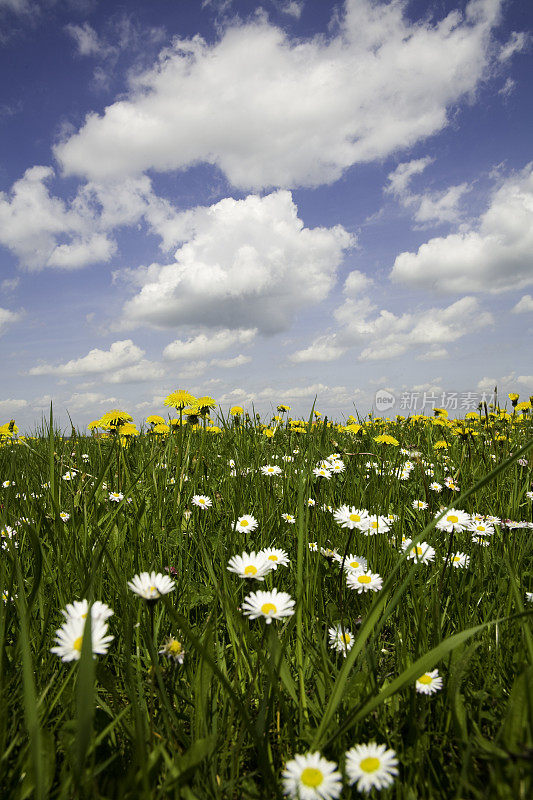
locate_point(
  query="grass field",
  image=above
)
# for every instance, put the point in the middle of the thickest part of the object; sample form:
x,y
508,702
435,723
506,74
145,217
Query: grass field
x,y
196,697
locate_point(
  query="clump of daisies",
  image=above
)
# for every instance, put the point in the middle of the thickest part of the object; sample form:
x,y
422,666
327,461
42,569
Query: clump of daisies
x,y
69,637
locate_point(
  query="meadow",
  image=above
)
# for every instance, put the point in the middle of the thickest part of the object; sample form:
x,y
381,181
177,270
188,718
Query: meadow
x,y
390,654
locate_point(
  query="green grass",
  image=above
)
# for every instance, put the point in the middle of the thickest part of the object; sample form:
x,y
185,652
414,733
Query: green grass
x,y
249,696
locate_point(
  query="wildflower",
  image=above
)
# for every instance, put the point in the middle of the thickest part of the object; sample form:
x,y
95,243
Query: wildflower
x,y
311,777
375,524
68,476
350,517
435,487
453,520
339,640
371,766
419,505
276,556
69,638
337,466
364,581
7,484
529,495
353,563
421,552
173,649
79,609
322,472
429,682
481,529
250,565
116,497
460,560
85,456
313,546
10,598
64,516
270,605
480,540
245,523
151,585
179,399
311,502
201,501
289,518
529,597
440,445
236,411
271,470
384,438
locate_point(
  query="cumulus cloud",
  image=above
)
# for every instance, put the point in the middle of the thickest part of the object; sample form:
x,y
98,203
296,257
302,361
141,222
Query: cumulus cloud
x,y
230,363
495,255
243,264
435,206
8,317
204,345
11,405
34,225
122,363
381,334
524,305
274,112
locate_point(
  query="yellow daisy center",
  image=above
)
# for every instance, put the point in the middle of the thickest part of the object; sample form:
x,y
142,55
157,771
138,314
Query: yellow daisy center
x,y
354,564
452,518
364,578
250,570
77,644
174,647
347,638
244,523
273,557
425,679
152,589
457,558
369,764
374,525
266,608
311,776
355,518
419,551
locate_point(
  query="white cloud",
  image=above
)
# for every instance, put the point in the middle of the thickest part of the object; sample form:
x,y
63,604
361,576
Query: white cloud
x,y
324,348
495,257
18,6
9,284
356,282
293,8
8,317
526,380
10,405
193,369
121,354
524,305
332,395
142,372
230,363
435,352
82,400
88,41
516,43
242,264
33,222
269,111
437,206
204,345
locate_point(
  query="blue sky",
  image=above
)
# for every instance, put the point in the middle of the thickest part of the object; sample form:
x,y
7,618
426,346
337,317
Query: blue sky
x,y
264,203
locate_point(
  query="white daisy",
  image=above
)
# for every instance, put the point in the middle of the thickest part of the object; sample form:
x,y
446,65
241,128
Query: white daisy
x,y
68,476
353,563
421,553
151,585
419,505
350,517
250,565
245,523
116,497
311,777
481,529
313,546
7,533
340,641
337,466
322,472
374,523
276,557
311,502
7,484
201,501
364,581
64,516
290,518
460,560
435,486
173,649
529,597
429,682
454,520
270,605
371,766
268,469
69,638
80,608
